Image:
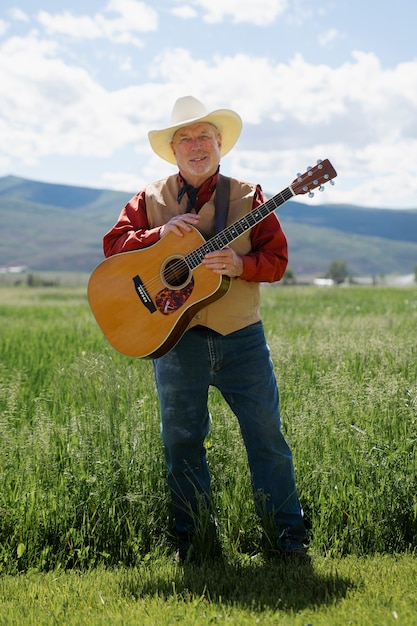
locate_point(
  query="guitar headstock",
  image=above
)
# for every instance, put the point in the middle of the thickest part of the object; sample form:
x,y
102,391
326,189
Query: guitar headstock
x,y
314,177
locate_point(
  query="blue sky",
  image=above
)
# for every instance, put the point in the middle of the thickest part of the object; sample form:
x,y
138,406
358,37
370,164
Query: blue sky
x,y
82,83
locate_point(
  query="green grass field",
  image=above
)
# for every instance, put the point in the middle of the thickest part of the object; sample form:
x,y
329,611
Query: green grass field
x,y
85,527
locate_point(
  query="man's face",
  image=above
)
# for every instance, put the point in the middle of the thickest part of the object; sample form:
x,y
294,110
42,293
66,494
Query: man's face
x,y
197,151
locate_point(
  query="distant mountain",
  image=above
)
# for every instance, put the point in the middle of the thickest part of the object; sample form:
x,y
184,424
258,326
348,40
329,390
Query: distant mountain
x,y
400,225
55,227
60,228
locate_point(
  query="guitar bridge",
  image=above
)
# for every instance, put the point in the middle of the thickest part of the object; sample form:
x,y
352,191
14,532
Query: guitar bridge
x,y
144,297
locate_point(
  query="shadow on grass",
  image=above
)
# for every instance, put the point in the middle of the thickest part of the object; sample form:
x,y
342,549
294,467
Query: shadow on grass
x,y
273,585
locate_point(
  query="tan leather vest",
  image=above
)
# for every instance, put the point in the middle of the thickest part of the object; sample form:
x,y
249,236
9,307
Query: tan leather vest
x,y
240,306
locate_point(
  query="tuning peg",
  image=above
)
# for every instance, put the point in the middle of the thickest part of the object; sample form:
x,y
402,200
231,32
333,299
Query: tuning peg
x,y
321,188
298,175
319,161
311,194
332,182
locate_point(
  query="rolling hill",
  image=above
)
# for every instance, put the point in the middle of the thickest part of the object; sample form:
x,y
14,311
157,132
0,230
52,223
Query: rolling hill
x,y
51,227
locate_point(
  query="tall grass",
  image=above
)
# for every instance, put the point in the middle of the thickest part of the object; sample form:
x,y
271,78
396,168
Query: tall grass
x,y
82,474
347,361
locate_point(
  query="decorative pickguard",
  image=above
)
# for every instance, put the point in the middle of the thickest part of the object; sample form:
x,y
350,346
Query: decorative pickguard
x,y
170,300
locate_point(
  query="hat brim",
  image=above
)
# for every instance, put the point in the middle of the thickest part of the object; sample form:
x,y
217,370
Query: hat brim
x,y
228,123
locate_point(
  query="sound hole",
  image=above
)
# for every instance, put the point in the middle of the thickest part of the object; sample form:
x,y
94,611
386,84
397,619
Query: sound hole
x,y
176,273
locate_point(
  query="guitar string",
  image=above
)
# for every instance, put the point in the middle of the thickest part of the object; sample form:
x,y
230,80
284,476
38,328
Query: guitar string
x,y
178,266
228,234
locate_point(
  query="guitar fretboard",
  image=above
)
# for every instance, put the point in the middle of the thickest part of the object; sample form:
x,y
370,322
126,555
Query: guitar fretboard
x,y
232,232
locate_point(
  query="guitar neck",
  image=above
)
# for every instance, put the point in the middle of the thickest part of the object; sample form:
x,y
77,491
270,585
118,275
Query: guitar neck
x,y
314,177
232,232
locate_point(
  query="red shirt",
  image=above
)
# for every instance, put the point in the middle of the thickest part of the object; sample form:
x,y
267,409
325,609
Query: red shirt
x,y
266,262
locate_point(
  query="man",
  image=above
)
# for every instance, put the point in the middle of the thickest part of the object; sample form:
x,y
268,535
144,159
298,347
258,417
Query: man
x,y
224,345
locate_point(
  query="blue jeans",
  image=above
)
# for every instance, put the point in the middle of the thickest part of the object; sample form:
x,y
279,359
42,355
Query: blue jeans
x,y
239,365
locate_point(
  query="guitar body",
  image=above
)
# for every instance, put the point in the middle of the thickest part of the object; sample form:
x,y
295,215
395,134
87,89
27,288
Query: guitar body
x,y
144,300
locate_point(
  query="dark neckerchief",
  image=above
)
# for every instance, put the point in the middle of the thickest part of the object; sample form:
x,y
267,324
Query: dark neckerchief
x,y
192,195
191,191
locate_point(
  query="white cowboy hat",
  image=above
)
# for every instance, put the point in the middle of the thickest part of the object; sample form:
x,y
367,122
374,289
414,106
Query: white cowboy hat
x,y
188,110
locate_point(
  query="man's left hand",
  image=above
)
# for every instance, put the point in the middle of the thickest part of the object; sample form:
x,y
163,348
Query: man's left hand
x,y
224,261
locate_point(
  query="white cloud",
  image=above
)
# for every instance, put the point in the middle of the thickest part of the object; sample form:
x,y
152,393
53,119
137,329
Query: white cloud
x,y
18,15
184,12
131,17
65,23
328,37
260,13
359,114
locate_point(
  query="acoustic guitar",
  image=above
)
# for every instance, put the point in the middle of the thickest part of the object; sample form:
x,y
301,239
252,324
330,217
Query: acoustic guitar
x,y
144,300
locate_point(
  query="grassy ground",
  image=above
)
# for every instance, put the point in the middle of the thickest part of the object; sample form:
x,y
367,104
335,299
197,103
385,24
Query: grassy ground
x,y
370,591
85,528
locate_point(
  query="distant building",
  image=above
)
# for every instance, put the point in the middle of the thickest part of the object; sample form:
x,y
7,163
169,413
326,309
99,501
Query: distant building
x,y
324,282
13,269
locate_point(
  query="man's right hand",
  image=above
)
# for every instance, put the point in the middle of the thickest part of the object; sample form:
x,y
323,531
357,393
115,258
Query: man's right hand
x,y
179,224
